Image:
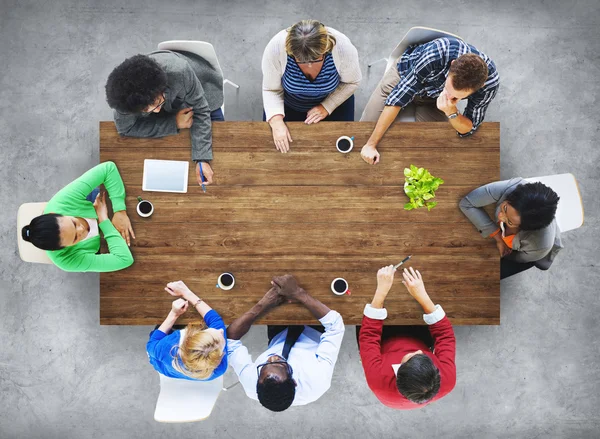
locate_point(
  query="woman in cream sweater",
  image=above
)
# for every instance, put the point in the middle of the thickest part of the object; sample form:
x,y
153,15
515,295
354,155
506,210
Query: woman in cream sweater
x,y
310,73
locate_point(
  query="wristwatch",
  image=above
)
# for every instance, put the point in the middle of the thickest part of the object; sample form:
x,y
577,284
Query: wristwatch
x,y
453,115
197,302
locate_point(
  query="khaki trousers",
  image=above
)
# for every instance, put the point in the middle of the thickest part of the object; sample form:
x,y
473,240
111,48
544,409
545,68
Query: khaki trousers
x,y
419,110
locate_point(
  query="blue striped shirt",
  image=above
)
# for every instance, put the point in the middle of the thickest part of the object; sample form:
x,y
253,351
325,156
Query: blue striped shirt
x,y
423,71
302,94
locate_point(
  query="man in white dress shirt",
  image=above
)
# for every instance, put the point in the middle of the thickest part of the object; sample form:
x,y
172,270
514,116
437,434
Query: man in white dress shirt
x,y
297,367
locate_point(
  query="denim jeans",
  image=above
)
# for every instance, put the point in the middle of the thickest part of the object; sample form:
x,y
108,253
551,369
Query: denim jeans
x,y
92,196
217,115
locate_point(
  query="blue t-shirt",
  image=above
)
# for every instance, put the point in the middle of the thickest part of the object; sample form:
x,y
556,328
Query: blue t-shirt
x,y
302,94
160,349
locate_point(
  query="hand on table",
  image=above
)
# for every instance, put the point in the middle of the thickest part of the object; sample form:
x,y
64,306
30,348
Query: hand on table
x,y
385,279
101,207
184,118
287,286
179,289
207,171
281,133
123,225
179,307
370,154
272,298
316,114
414,284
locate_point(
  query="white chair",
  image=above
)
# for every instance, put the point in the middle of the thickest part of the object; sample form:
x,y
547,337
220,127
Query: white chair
x,y
569,213
185,400
27,251
415,35
202,49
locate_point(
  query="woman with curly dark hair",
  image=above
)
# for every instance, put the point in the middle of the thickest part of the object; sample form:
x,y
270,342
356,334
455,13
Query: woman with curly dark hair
x,y
524,226
158,94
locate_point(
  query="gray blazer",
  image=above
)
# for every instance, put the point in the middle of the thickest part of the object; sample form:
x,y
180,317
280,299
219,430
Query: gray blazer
x,y
540,246
191,82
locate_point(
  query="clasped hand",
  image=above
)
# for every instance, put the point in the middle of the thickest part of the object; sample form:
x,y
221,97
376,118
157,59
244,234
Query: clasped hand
x,y
284,289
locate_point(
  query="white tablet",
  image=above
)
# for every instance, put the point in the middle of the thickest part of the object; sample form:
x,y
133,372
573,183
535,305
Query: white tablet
x,y
165,176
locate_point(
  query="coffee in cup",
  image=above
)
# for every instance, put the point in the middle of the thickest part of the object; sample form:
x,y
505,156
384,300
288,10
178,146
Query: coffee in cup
x,y
144,208
226,281
344,144
339,286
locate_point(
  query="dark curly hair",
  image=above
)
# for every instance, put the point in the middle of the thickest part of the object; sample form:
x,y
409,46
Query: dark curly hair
x,y
469,72
276,395
536,204
135,84
418,380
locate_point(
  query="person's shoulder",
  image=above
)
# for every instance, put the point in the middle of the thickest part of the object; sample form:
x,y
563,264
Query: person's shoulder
x,y
171,62
343,45
444,43
337,34
171,339
278,40
543,238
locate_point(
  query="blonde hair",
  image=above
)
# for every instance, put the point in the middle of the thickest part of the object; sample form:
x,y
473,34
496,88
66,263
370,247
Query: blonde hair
x,y
308,40
199,354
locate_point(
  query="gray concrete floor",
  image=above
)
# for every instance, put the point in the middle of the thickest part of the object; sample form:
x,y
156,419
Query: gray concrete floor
x,y
64,376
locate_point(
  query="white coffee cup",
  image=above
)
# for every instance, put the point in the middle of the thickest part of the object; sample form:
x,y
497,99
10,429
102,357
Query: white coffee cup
x,y
226,281
349,139
339,280
142,203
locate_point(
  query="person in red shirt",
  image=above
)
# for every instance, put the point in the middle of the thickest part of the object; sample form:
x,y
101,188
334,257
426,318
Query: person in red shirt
x,y
402,369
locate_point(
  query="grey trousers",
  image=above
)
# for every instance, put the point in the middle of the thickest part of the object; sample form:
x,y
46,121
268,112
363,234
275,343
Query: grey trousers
x,y
420,110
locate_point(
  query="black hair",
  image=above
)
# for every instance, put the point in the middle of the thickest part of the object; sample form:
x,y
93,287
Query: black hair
x,y
536,204
135,84
276,395
43,232
418,379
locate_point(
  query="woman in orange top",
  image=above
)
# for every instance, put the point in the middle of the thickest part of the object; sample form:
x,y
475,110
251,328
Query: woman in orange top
x,y
524,227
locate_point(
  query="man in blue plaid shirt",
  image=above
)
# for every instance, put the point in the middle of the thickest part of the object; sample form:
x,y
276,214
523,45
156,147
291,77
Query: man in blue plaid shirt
x,y
434,76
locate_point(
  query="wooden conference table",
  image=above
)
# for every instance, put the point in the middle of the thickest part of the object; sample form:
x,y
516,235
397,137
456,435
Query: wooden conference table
x,y
313,212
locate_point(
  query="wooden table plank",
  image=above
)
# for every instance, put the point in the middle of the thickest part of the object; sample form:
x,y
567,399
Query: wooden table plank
x,y
330,168
297,204
313,212
455,268
360,240
245,136
362,285
462,311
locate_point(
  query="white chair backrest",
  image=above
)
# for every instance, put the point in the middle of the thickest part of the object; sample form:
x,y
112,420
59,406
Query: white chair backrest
x,y
186,401
416,35
201,48
569,213
27,251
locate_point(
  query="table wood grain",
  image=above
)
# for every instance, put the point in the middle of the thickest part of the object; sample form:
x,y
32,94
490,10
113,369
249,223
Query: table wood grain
x,y
314,213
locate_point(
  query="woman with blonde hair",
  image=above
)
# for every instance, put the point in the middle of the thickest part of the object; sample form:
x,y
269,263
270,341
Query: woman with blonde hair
x,y
194,353
310,73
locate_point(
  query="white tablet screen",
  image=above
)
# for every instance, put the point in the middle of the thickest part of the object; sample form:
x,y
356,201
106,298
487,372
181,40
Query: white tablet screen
x,y
165,176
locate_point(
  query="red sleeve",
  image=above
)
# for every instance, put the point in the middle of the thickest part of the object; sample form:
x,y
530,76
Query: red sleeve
x,y
369,340
445,351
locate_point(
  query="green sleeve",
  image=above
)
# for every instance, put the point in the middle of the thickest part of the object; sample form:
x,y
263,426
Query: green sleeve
x,y
105,173
118,257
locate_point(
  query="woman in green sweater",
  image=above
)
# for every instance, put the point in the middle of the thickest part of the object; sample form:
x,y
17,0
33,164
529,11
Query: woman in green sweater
x,y
69,228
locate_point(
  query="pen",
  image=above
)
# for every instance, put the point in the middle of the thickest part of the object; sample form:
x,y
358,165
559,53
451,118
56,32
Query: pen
x,y
403,261
201,177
